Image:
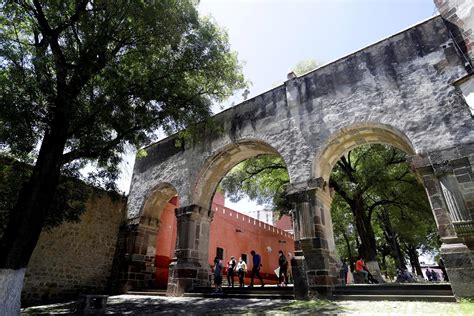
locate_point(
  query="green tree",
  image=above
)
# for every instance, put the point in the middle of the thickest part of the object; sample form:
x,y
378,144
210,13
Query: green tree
x,y
305,66
81,80
262,179
345,234
374,181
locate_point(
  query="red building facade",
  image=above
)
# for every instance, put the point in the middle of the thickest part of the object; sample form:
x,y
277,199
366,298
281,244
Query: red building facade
x,y
232,234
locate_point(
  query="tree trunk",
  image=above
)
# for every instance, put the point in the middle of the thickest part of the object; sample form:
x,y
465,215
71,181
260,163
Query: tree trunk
x,y
27,219
414,261
392,240
11,282
366,233
349,251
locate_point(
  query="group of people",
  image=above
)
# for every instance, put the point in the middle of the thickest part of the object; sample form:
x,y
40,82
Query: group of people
x,y
402,274
432,275
239,268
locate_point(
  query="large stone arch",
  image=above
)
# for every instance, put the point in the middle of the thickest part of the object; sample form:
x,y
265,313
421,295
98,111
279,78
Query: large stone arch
x,y
411,80
355,135
156,199
191,268
312,216
219,164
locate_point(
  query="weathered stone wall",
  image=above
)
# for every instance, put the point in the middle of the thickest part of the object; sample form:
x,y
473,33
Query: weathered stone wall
x,y
460,17
402,83
403,91
76,257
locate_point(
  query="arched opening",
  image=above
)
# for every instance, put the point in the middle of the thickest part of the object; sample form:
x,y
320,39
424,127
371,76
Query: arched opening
x,y
230,232
350,137
216,167
239,228
345,164
157,235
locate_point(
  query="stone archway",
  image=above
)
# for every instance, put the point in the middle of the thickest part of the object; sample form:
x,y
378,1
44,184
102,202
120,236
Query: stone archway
x,y
191,268
353,136
416,90
140,237
311,201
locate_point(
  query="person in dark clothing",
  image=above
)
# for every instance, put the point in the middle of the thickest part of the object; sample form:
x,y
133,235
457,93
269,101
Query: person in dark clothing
x,y
231,271
345,271
217,275
257,263
283,263
428,275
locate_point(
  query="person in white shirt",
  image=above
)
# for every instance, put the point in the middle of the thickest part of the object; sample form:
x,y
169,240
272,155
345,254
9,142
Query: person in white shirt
x,y
241,269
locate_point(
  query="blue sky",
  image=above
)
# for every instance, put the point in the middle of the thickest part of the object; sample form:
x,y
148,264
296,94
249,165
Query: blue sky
x,y
271,36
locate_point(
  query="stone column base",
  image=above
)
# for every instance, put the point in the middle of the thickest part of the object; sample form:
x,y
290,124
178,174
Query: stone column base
x,y
321,269
300,281
186,276
459,262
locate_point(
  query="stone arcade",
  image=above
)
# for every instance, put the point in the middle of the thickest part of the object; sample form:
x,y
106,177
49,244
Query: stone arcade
x,y
405,91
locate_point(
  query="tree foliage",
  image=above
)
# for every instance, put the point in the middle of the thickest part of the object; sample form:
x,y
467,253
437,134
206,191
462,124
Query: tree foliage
x,y
388,204
262,179
305,66
82,80
118,72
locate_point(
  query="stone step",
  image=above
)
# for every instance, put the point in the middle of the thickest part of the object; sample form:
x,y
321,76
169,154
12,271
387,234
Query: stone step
x,y
273,296
382,297
246,290
395,289
429,292
267,292
148,292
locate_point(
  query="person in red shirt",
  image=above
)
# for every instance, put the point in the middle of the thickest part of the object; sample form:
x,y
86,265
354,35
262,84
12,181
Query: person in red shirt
x,y
361,268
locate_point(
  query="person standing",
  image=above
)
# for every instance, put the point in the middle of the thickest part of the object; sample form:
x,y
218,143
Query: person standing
x,y
218,275
231,271
428,274
345,271
241,269
257,263
283,263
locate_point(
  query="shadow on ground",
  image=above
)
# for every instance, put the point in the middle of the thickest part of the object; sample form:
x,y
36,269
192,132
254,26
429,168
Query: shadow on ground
x,y
142,305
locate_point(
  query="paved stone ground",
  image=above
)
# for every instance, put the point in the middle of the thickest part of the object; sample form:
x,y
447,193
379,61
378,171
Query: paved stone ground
x,y
152,305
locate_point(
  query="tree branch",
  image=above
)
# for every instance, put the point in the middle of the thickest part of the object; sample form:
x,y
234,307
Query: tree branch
x,y
94,153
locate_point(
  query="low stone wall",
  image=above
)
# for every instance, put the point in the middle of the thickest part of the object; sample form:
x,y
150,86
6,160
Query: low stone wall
x,y
76,258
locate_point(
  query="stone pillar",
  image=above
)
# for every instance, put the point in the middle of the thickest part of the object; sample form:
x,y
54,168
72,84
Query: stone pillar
x,y
458,18
314,237
449,184
190,267
141,258
133,267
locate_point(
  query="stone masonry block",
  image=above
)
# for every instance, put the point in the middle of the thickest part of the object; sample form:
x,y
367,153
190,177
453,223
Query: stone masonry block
x,y
464,178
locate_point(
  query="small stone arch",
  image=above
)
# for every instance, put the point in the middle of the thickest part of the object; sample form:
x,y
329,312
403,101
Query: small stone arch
x,y
217,166
348,138
140,238
156,199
